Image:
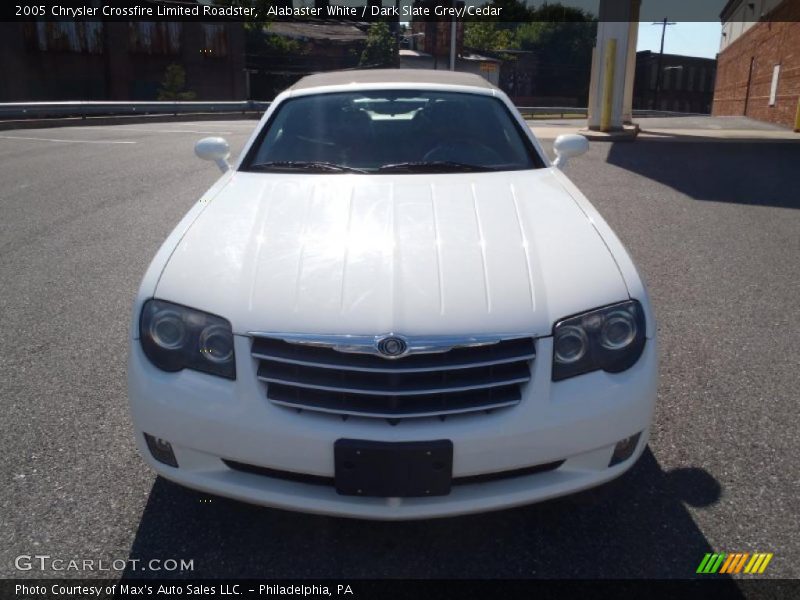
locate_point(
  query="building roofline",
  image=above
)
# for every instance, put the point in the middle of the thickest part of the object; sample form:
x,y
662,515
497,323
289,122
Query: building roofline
x,y
667,56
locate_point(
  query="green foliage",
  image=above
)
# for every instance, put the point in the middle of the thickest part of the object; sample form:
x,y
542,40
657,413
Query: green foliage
x,y
558,30
552,30
486,35
380,49
276,44
557,38
562,39
173,84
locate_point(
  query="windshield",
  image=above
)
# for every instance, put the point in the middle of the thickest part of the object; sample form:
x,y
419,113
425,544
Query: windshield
x,y
392,131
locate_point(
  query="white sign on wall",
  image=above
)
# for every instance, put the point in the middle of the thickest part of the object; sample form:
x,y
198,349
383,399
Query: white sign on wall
x,y
773,90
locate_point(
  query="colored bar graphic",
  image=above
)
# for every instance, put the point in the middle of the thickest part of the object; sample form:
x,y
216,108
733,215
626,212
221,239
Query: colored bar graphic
x,y
764,564
730,563
753,564
711,563
703,563
741,562
758,563
734,562
718,563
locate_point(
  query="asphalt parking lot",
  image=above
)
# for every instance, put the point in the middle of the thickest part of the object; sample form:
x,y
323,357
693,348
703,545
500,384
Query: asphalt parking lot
x,y
714,228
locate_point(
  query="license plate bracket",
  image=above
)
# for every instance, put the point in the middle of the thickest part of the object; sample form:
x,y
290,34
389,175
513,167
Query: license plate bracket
x,y
393,469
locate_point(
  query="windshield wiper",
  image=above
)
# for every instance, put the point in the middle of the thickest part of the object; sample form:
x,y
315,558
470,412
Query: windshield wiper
x,y
304,165
426,166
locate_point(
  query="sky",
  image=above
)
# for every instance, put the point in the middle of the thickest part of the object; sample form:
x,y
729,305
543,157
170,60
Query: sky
x,y
687,38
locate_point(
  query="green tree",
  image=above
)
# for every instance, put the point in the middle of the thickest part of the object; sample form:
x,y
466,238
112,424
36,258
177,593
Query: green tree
x,y
489,36
554,29
173,84
380,50
276,44
562,39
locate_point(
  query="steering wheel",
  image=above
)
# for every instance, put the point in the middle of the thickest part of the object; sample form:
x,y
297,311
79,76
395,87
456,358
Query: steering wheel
x,y
457,149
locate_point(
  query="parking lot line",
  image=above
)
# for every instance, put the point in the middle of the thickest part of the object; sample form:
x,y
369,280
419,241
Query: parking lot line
x,y
20,137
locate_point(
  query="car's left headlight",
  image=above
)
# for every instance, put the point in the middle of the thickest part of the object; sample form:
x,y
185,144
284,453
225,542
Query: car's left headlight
x,y
176,337
610,338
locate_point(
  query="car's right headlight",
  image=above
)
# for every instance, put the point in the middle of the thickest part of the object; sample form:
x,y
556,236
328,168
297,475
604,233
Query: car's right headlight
x,y
176,337
610,338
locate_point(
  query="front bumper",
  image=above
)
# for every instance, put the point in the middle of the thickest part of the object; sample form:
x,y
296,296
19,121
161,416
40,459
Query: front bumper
x,y
207,419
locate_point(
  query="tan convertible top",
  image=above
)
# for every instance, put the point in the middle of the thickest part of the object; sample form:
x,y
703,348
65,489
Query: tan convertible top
x,y
383,76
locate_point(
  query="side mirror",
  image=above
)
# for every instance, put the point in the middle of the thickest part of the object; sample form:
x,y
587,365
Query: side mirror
x,y
569,146
216,149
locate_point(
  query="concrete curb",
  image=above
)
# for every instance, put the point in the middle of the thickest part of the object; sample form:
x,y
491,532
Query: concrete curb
x,y
628,133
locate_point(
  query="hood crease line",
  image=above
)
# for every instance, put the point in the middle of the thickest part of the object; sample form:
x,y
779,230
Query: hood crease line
x,y
482,243
438,243
525,246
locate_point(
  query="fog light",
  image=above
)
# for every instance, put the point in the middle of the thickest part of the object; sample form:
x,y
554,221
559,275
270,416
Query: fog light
x,y
624,449
161,450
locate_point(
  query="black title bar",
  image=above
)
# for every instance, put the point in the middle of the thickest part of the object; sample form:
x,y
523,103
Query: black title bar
x,y
402,10
717,587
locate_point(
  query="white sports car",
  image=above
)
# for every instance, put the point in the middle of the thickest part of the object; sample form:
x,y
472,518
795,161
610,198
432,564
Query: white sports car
x,y
392,306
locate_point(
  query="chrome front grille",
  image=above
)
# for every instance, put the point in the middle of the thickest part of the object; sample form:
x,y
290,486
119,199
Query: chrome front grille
x,y
344,375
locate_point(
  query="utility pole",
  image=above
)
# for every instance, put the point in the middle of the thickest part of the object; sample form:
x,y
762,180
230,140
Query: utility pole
x,y
663,24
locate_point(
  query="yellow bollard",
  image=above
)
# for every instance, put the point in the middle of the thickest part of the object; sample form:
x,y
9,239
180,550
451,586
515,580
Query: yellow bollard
x,y
797,117
609,60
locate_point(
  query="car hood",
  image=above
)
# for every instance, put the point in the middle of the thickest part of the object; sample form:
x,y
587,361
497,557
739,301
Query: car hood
x,y
410,254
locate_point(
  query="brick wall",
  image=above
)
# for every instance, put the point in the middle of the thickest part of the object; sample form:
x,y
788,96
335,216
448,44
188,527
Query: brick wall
x,y
766,44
